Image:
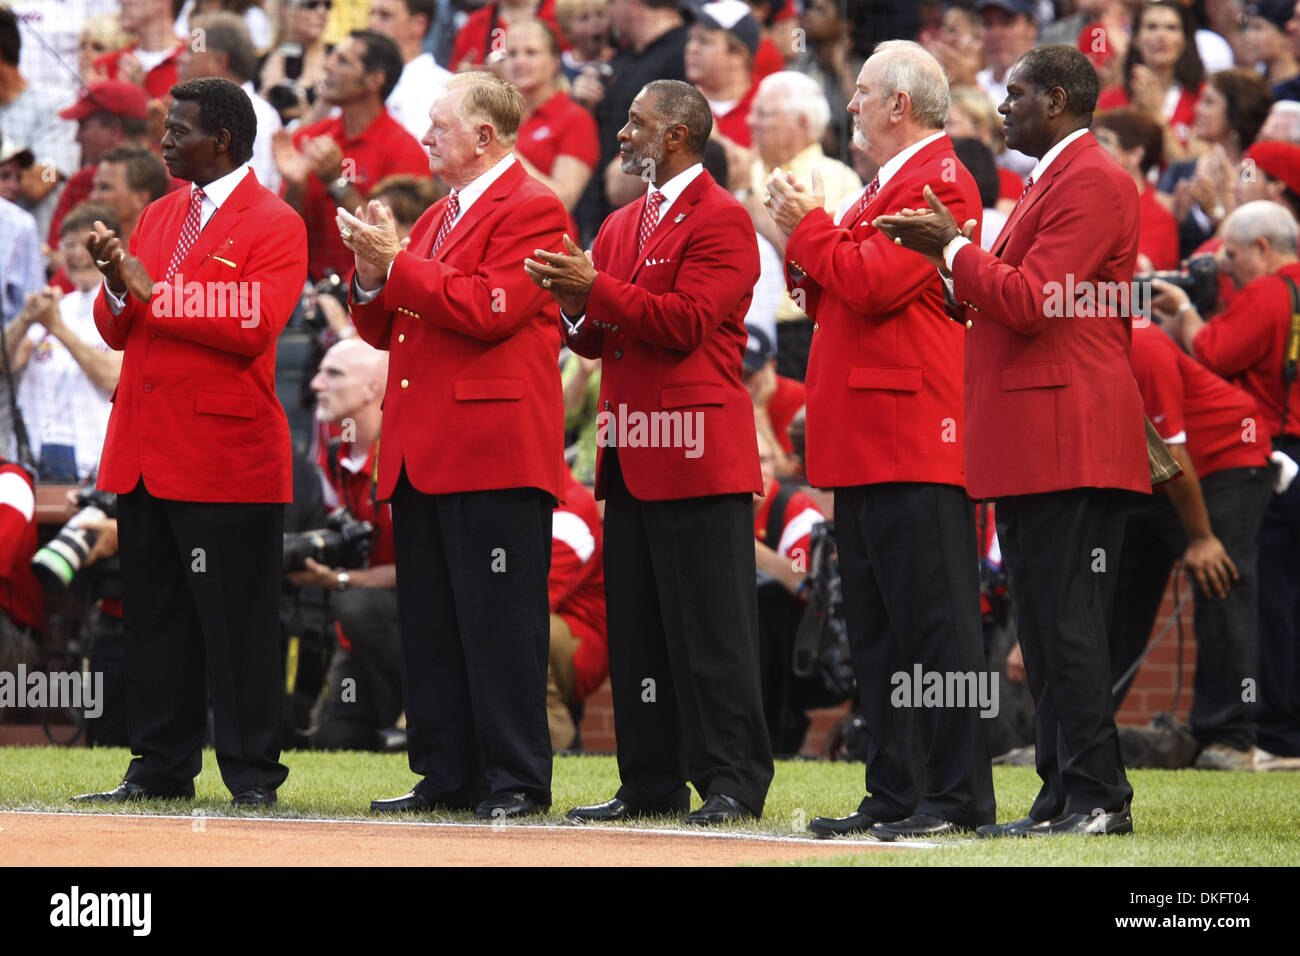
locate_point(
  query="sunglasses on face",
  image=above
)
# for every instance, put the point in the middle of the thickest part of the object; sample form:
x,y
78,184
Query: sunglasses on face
x,y
325,5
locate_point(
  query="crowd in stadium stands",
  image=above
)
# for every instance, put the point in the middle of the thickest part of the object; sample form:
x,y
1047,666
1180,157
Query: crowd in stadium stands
x,y
1199,106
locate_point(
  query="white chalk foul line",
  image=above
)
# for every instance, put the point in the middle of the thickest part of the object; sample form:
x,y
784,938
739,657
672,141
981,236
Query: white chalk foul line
x,y
496,827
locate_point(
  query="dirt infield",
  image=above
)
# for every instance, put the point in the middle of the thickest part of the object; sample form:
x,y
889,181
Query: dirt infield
x,y
87,839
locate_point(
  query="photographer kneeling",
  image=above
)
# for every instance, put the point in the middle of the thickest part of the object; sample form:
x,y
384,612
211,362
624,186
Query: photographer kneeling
x,y
363,693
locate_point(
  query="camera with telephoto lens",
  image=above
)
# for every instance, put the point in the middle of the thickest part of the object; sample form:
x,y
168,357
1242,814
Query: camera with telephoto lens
x,y
332,285
58,562
1199,279
343,543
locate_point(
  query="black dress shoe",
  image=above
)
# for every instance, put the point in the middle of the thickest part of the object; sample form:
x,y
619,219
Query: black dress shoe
x,y
126,790
254,797
413,802
1012,828
1097,823
614,810
720,808
855,822
508,806
919,825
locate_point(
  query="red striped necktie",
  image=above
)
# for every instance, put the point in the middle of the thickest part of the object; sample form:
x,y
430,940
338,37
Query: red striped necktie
x,y
189,232
449,215
650,219
868,195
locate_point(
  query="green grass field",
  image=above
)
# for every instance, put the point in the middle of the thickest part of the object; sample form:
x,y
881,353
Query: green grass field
x,y
1182,818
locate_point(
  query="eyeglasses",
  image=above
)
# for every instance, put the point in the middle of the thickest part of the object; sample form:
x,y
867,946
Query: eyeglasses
x,y
325,5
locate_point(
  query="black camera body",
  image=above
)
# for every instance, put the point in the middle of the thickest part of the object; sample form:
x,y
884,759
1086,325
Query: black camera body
x,y
332,285
344,542
1200,280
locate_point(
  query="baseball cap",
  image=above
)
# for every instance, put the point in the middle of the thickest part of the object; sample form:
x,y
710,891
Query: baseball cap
x,y
1280,160
1014,7
9,150
1276,12
734,16
758,350
112,96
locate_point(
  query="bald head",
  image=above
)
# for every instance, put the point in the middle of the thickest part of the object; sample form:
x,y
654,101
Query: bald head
x,y
350,382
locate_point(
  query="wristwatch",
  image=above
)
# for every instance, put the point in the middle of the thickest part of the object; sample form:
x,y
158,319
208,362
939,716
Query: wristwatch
x,y
339,188
344,581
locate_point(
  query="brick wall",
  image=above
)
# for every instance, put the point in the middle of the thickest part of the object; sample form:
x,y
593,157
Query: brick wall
x,y
1152,691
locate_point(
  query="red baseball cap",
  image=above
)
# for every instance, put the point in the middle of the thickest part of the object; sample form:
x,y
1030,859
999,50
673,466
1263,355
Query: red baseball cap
x,y
112,96
1280,160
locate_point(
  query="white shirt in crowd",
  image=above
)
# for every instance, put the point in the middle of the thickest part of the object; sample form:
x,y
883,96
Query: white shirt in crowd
x,y
59,402
420,83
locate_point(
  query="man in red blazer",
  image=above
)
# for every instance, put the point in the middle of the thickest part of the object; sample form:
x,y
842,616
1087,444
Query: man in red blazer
x,y
198,450
662,302
1054,426
471,455
884,431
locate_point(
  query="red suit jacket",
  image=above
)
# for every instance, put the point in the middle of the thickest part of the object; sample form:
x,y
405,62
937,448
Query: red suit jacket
x,y
1051,402
885,368
669,326
474,400
195,412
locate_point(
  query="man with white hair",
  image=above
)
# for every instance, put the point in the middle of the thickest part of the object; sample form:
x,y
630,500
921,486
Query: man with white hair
x,y
1249,343
472,454
788,118
1282,122
885,431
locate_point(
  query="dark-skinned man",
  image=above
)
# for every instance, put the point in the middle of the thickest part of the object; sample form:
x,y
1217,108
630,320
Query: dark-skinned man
x,y
884,430
198,453
1054,426
662,302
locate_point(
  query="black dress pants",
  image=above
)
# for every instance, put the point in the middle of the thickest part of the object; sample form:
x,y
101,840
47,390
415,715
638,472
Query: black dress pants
x,y
1227,646
1278,724
201,614
683,646
349,716
475,634
910,571
1062,555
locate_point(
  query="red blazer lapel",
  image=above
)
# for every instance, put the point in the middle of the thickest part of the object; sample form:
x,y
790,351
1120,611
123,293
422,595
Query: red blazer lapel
x,y
217,230
1035,194
884,204
676,214
504,185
